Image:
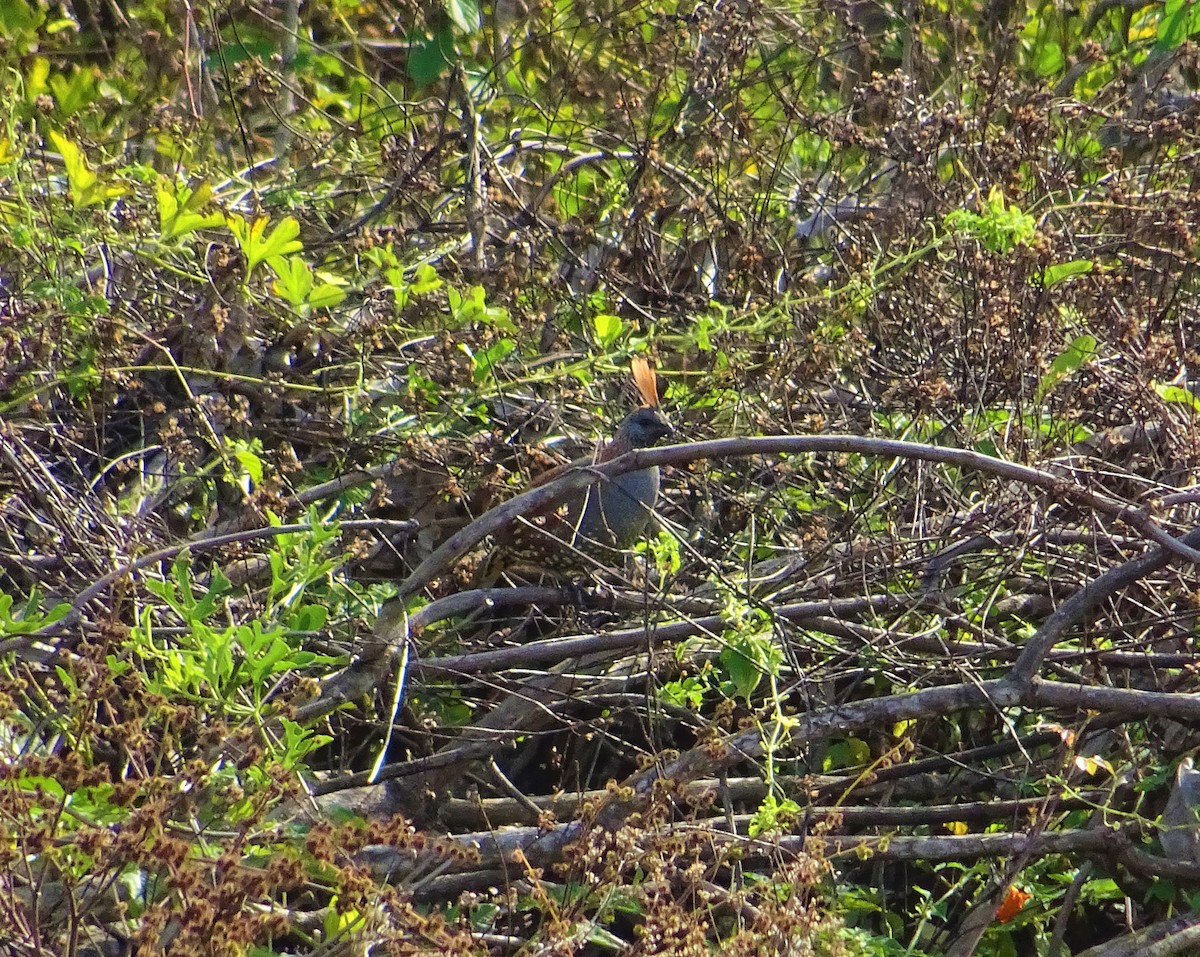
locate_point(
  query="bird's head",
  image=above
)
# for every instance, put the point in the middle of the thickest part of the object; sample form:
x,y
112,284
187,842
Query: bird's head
x,y
643,428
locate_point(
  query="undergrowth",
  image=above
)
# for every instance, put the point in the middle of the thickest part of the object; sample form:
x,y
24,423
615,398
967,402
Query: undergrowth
x,y
290,297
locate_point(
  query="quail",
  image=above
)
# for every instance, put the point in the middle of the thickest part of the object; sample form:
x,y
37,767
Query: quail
x,y
1179,830
594,525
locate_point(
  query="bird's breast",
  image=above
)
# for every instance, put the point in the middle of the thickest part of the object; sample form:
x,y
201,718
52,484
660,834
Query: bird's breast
x,y
618,510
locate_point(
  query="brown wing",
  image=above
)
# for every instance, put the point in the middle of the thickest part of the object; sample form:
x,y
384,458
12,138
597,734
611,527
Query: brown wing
x,y
645,380
550,474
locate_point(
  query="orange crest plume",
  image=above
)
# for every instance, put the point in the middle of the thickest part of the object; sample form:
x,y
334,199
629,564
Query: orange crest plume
x,y
645,380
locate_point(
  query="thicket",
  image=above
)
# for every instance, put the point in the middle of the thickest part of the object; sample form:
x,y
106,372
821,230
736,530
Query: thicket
x,y
293,297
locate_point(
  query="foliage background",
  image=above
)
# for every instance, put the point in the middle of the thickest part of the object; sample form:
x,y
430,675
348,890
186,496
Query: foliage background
x,y
289,294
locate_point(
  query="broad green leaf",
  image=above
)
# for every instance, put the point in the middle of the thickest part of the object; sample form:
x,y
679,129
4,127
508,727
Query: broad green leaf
x,y
465,14
1180,20
19,24
608,328
294,280
310,618
37,77
1179,395
1048,59
1063,271
429,57
252,464
1081,349
425,280
486,360
79,175
747,659
742,670
326,296
473,308
848,753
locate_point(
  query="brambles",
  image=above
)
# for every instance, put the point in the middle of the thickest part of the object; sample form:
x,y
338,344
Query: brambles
x,y
285,305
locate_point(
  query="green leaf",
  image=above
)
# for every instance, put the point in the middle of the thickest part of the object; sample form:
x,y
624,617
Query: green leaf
x,y
1060,272
773,814
326,295
664,549
465,14
294,282
428,58
425,280
85,185
486,360
1048,60
310,618
30,618
19,23
258,245
686,692
1180,20
179,210
1179,395
1000,227
251,463
849,753
473,308
1081,349
299,741
37,78
599,937
75,93
742,672
608,328
746,659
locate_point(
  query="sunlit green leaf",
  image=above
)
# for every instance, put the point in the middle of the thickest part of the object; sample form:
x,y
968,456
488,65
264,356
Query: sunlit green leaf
x,y
258,245
1063,271
848,753
179,209
608,328
1179,395
465,14
1180,20
86,187
1048,60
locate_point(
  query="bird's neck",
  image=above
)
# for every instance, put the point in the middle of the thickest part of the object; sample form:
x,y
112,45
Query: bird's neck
x,y
617,446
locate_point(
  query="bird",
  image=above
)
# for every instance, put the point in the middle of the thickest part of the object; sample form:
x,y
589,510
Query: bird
x,y
593,526
1179,828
